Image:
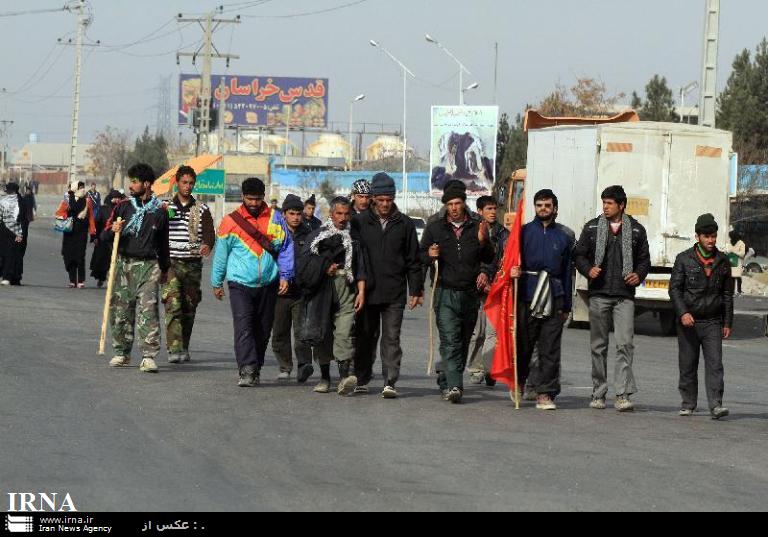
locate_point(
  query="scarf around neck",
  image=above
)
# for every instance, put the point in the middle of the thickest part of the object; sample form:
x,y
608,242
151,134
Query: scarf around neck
x,y
603,229
328,230
137,220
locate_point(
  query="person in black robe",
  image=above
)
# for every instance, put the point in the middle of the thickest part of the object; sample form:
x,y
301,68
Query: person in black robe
x,y
77,206
102,251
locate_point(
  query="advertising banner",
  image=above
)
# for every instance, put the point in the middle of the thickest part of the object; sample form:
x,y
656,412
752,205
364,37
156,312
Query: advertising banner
x,y
211,182
254,101
464,147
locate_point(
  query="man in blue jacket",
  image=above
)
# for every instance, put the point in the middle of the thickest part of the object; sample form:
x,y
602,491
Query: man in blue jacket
x,y
545,299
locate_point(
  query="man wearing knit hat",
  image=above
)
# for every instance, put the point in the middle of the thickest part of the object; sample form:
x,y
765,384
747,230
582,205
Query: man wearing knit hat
x,y
390,239
702,294
459,244
360,196
309,213
288,308
254,253
613,254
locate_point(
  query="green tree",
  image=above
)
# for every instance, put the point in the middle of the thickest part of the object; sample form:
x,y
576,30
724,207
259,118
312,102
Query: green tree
x,y
502,140
743,105
515,154
152,150
659,104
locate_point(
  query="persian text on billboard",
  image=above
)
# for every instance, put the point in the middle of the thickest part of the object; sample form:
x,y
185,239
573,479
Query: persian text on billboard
x,y
464,147
261,101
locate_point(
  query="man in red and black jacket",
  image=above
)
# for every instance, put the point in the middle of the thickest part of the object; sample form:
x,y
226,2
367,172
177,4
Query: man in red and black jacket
x,y
702,294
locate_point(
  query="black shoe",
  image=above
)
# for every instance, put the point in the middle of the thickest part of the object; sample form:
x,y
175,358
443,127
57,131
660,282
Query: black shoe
x,y
343,369
305,371
489,381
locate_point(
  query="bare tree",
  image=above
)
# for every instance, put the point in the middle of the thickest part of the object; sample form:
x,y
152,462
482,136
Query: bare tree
x,y
109,153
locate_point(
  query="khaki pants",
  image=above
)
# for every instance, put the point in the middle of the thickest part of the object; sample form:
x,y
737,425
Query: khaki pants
x,y
341,347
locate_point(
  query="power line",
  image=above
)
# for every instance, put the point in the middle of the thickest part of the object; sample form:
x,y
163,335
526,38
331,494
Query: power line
x,y
306,13
31,12
31,80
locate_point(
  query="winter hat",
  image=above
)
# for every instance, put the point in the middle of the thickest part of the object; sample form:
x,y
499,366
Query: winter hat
x,y
383,185
361,187
12,188
706,225
311,201
254,186
292,203
454,189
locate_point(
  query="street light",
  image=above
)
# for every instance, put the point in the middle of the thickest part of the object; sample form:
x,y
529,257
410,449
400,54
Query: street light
x,y
406,72
351,105
288,110
685,90
462,68
472,86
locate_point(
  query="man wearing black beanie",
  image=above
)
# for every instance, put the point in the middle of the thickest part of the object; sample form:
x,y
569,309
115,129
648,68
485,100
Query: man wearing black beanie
x,y
459,244
702,294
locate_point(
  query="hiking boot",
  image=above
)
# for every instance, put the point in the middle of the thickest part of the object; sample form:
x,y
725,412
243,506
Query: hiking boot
x,y
686,412
324,386
305,371
389,392
347,385
454,396
623,404
545,402
249,377
597,404
174,358
148,365
284,376
476,378
361,390
120,361
720,413
489,380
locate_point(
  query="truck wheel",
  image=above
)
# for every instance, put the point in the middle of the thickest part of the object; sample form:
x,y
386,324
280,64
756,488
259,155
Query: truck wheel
x,y
668,323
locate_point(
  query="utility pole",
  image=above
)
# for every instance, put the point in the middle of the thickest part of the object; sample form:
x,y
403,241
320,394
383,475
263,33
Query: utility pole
x,y
4,124
209,24
496,73
83,20
708,98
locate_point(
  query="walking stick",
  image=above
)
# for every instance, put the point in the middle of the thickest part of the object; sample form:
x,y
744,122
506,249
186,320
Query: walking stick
x,y
516,395
431,362
110,286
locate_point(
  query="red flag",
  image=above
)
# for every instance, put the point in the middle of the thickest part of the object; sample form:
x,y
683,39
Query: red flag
x,y
500,308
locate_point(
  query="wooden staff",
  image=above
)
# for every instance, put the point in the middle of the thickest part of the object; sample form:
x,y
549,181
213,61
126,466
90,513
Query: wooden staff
x,y
516,396
431,362
110,286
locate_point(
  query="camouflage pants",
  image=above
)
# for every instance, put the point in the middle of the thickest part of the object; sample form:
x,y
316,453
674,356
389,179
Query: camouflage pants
x,y
181,296
136,285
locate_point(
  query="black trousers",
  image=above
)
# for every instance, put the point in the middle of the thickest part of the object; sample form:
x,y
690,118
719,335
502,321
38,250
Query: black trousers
x,y
547,334
706,336
11,256
379,321
287,316
253,312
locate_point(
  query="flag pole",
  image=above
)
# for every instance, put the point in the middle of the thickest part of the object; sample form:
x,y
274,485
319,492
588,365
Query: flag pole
x,y
514,346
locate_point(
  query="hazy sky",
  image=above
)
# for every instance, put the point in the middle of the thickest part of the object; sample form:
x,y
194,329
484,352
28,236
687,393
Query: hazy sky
x,y
541,43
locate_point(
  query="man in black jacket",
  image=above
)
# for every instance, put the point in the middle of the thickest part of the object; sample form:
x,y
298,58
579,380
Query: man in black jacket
x,y
613,254
702,294
460,244
142,266
391,243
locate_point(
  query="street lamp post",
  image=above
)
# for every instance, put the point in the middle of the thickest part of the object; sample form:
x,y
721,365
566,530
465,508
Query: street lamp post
x,y
685,90
406,72
351,150
472,86
462,68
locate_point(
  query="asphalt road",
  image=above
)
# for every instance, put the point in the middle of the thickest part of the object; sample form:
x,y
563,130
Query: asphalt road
x,y
189,439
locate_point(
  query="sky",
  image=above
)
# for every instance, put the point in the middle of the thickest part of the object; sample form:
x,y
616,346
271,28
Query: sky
x,y
541,43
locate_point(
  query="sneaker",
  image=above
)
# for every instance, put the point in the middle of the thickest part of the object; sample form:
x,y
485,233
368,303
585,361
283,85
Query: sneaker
x,y
324,386
455,395
5,283
720,413
389,392
120,361
686,412
597,404
361,390
249,377
444,395
545,402
81,286
530,395
347,385
477,378
100,284
489,380
284,376
185,357
148,365
305,371
623,404
71,286
174,358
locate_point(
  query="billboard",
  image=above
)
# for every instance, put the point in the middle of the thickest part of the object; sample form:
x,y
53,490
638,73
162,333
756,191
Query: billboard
x,y
253,101
464,147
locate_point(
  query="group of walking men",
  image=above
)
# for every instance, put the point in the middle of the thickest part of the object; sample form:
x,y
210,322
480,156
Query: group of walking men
x,y
342,286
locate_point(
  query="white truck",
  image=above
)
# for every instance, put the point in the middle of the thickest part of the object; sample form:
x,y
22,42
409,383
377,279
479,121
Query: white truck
x,y
672,173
